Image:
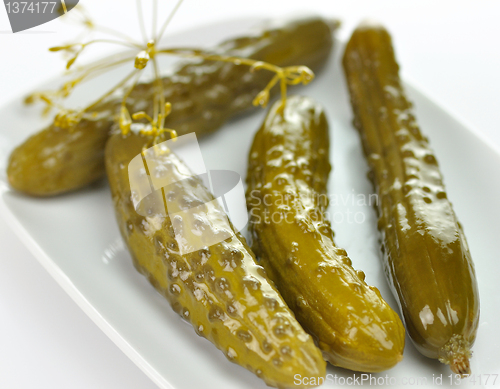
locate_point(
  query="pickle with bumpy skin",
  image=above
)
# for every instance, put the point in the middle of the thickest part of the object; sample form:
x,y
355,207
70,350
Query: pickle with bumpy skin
x,y
203,95
287,176
427,260
219,289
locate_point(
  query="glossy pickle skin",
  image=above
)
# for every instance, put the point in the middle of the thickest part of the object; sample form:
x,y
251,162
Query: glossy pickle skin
x,y
220,289
427,260
286,196
203,94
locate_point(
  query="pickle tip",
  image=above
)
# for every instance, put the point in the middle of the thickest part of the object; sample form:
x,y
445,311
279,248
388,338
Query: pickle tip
x,y
460,365
457,353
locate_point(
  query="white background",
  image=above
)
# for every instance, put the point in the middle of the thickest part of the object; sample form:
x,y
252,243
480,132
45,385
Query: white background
x,y
449,49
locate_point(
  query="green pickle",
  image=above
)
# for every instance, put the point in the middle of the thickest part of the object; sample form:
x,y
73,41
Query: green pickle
x,y
286,196
204,94
427,260
220,289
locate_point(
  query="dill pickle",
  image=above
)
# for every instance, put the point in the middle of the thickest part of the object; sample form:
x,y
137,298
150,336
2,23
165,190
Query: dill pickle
x,y
286,196
203,94
220,289
427,260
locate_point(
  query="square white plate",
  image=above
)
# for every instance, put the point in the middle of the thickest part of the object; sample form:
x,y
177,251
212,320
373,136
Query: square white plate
x,y
76,239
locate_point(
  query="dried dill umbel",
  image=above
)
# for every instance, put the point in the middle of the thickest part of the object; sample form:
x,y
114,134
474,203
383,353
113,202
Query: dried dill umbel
x,y
143,53
205,91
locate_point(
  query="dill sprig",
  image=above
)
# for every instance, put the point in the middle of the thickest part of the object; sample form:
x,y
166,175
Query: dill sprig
x,y
143,54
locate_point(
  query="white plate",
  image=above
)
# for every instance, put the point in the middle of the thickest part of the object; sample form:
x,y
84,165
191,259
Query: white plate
x,y
76,239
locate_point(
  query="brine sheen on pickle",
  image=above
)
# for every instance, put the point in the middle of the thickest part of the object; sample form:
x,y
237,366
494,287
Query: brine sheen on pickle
x,y
286,196
220,289
426,256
